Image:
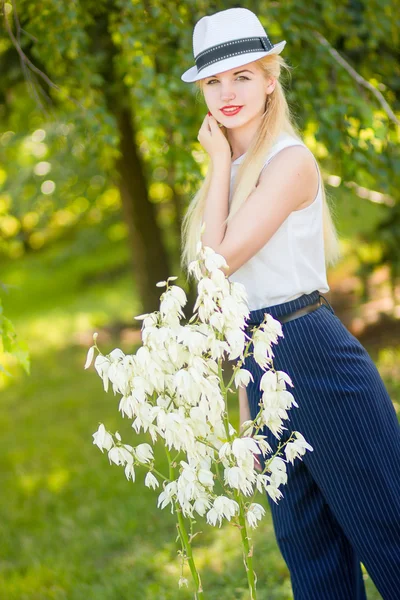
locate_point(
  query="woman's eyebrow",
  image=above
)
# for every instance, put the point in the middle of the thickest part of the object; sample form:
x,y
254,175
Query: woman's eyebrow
x,y
236,73
243,71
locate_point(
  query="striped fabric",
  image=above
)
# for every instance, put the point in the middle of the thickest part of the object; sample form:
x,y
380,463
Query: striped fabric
x,y
341,505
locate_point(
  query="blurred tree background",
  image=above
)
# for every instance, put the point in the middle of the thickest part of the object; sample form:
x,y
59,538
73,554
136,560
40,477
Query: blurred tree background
x,y
99,159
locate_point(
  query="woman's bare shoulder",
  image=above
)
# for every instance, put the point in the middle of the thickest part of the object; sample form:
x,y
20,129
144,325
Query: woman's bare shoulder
x,y
293,161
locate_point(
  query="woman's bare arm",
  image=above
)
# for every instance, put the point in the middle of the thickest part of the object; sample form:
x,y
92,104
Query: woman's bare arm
x,y
287,182
244,412
244,409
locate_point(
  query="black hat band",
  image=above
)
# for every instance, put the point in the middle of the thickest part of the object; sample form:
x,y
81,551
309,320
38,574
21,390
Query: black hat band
x,y
233,48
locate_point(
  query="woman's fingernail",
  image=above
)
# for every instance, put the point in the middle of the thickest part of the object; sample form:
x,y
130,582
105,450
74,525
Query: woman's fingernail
x,y
209,114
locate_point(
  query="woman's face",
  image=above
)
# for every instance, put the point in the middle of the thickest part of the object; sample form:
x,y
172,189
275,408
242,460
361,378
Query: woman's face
x,y
244,86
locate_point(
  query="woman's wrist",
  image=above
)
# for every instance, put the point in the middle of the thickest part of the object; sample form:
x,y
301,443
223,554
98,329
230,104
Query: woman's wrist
x,y
221,161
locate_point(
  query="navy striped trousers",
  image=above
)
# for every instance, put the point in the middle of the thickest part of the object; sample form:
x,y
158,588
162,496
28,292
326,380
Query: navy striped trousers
x,y
341,504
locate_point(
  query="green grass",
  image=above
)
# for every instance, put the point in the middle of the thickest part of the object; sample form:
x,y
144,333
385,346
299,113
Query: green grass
x,y
71,526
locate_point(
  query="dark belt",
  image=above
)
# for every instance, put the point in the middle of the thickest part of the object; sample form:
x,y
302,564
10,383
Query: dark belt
x,y
300,312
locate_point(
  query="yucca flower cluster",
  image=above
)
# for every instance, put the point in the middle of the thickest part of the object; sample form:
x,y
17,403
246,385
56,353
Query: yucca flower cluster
x,y
173,389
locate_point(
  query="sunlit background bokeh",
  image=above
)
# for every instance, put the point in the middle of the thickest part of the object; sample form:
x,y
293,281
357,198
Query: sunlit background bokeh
x,y
99,159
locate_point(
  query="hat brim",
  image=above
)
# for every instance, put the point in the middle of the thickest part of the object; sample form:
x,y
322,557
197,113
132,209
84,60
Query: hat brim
x,y
224,65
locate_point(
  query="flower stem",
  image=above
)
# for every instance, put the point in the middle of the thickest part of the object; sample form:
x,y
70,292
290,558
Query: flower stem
x,y
199,595
247,550
188,549
225,416
153,470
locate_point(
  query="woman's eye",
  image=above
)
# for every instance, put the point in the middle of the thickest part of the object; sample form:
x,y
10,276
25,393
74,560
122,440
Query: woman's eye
x,y
240,76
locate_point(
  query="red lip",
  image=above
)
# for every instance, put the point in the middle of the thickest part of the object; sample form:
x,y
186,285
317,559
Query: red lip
x,y
230,113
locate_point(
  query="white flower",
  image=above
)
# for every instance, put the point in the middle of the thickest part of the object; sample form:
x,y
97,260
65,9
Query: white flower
x,y
145,415
236,478
201,504
247,427
262,481
142,317
242,377
254,513
194,267
170,308
102,438
179,294
273,381
282,378
120,455
262,351
235,338
217,321
239,292
222,507
119,375
269,381
222,283
144,453
126,406
205,306
183,581
272,329
151,481
171,388
243,447
277,467
297,448
102,365
212,260
272,414
167,495
225,451
116,354
186,385
89,357
130,471
115,456
206,477
198,420
262,444
274,493
207,286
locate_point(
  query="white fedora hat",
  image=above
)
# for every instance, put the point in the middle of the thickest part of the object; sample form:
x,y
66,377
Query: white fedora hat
x,y
229,38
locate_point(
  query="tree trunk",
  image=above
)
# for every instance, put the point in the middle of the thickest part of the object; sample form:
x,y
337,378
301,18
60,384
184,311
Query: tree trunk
x,y
149,257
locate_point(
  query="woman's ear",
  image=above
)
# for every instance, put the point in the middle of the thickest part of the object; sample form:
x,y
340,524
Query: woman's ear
x,y
271,85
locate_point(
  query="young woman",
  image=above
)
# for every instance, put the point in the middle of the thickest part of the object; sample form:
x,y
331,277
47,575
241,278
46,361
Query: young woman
x,y
264,207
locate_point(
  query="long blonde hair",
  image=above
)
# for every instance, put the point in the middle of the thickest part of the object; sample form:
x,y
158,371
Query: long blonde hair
x,y
276,119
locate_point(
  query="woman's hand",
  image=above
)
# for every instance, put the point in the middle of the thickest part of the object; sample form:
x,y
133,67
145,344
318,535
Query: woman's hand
x,y
213,140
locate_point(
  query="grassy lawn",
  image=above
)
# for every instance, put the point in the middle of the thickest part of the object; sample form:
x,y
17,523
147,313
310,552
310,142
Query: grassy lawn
x,y
71,526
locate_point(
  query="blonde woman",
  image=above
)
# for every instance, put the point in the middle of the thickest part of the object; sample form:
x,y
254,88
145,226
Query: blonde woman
x,y
264,206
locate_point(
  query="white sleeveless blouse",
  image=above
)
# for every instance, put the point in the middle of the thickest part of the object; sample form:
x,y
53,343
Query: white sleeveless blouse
x,y
292,262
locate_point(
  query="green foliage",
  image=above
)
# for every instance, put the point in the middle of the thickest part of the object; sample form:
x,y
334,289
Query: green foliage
x,y
59,137
10,342
97,52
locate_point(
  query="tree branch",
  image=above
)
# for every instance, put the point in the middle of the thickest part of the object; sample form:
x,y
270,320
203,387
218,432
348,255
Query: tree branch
x,y
353,73
27,65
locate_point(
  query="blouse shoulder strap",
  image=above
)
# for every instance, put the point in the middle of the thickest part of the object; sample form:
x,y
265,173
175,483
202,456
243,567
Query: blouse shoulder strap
x,y
284,141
